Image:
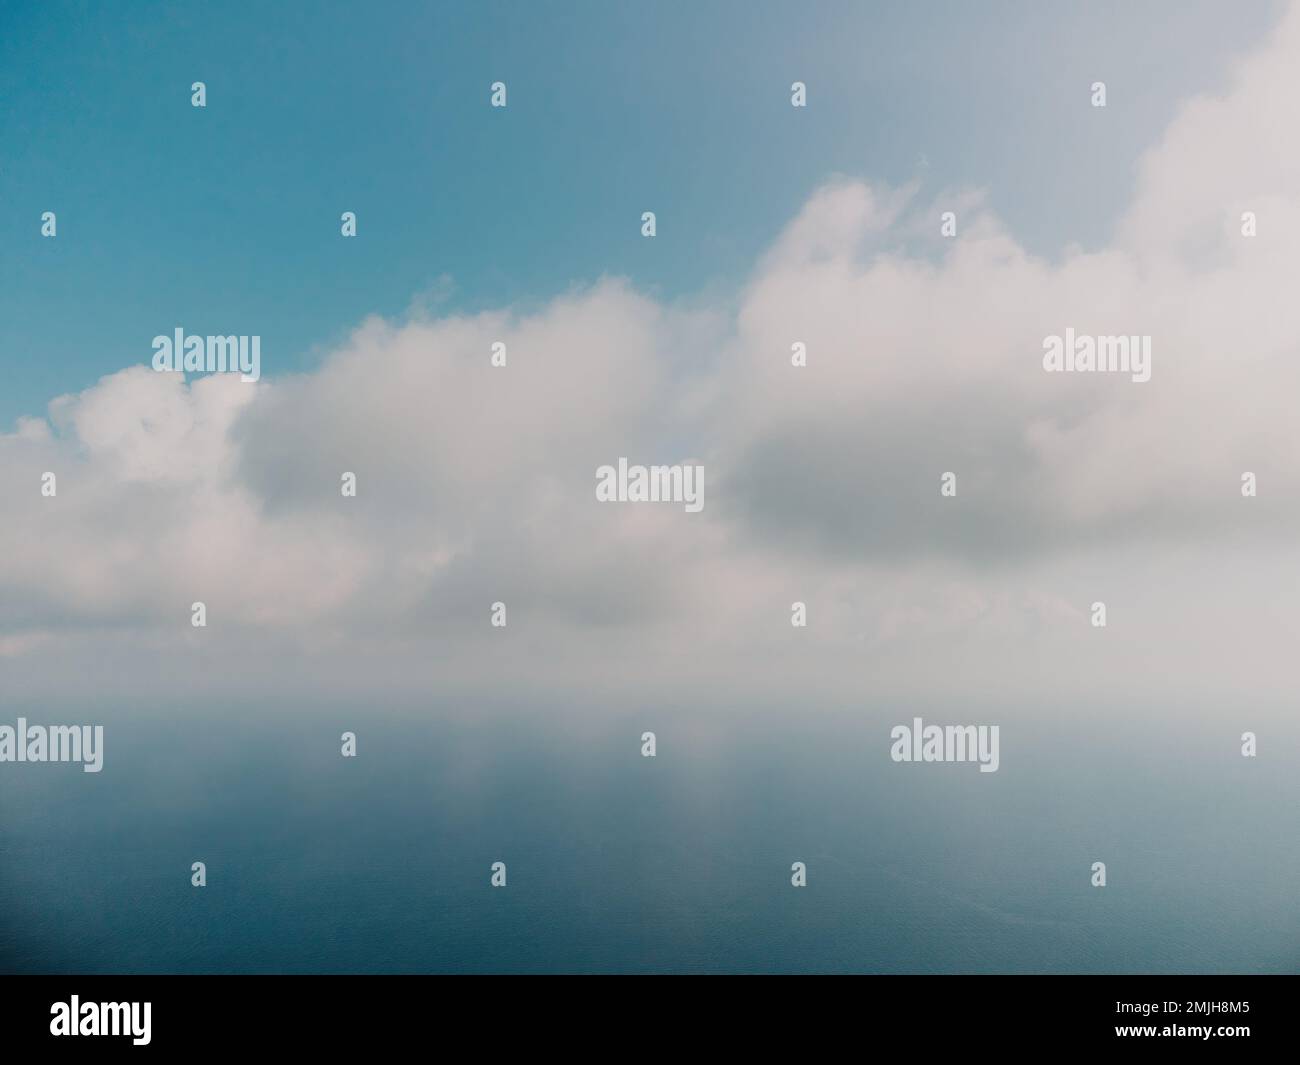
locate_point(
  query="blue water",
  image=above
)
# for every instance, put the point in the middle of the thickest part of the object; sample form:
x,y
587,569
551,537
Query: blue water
x,y
618,863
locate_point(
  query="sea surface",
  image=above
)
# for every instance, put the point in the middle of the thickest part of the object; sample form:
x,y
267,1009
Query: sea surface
x,y
618,863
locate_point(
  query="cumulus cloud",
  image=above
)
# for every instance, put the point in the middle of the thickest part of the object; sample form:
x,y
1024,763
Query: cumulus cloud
x,y
476,484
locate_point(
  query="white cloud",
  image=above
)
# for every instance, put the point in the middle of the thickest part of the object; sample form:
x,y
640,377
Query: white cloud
x,y
477,484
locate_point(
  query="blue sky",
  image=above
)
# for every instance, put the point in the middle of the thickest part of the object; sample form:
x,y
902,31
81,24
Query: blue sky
x,y
226,219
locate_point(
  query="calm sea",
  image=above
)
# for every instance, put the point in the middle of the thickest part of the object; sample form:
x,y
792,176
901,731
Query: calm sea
x,y
619,863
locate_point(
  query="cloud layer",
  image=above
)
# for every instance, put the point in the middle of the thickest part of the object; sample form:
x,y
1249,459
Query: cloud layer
x,y
476,484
